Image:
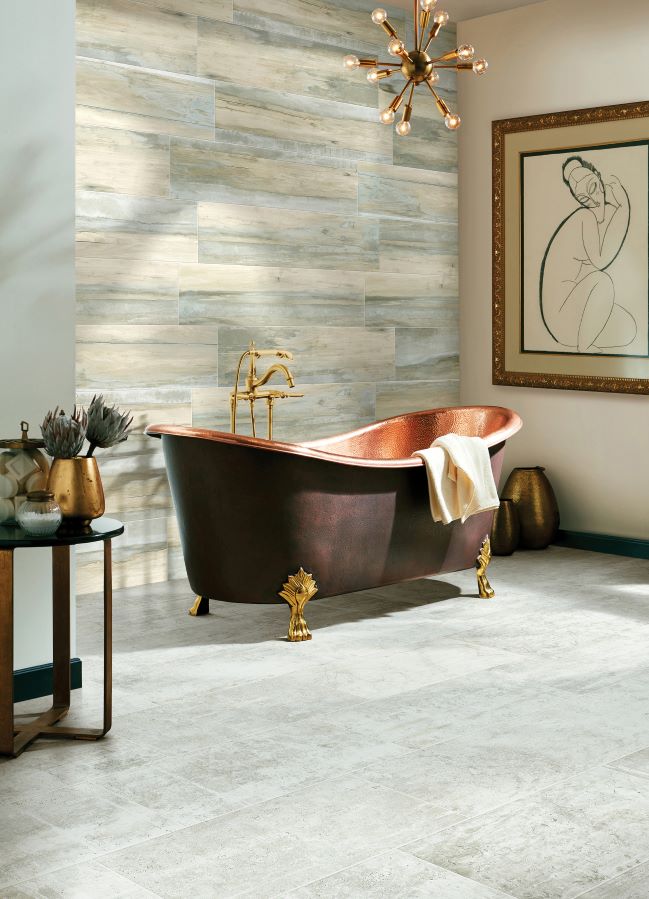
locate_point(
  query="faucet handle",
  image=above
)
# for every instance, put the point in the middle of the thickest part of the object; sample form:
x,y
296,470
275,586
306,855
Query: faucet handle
x,y
281,354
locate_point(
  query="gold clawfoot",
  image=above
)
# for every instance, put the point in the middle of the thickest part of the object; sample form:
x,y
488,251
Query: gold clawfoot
x,y
298,590
484,557
201,606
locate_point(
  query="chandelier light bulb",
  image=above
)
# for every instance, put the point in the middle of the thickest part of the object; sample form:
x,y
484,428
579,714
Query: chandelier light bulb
x,y
433,78
441,17
403,128
465,52
387,116
480,66
373,76
351,62
452,121
379,16
427,5
396,47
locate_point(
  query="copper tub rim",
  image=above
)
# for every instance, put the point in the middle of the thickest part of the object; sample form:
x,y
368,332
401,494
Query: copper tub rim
x,y
311,449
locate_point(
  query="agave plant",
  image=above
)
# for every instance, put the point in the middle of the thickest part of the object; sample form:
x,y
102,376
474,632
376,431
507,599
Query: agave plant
x,y
63,434
106,425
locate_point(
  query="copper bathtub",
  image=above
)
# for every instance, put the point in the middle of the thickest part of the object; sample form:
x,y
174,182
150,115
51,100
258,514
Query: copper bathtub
x,y
350,510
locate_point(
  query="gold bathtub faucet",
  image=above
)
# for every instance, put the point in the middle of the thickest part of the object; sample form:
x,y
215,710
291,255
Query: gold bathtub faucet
x,y
252,393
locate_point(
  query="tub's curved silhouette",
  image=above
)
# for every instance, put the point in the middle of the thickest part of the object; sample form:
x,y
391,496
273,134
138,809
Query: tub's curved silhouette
x,y
351,509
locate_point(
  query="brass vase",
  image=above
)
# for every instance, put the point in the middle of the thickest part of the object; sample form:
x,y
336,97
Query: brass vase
x,y
506,529
536,504
77,488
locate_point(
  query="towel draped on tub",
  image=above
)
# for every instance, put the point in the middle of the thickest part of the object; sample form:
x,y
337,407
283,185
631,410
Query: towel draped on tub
x,y
460,479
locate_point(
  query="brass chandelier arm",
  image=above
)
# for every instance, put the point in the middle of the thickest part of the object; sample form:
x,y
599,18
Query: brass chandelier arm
x,y
434,31
431,37
396,103
450,65
440,103
456,66
424,19
412,91
415,16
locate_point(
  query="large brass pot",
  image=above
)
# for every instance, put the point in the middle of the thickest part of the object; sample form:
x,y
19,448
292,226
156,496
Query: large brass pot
x,y
506,529
536,504
77,488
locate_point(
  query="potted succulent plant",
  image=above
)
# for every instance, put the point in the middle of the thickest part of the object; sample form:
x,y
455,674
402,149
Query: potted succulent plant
x,y
74,478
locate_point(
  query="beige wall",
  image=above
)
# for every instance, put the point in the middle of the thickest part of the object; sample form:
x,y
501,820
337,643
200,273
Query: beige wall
x,y
543,58
36,259
234,183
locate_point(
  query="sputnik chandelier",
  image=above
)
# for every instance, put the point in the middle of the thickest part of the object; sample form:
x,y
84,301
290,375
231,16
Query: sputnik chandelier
x,y
416,66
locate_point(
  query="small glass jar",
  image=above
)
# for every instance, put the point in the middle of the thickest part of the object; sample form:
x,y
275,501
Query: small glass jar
x,y
40,515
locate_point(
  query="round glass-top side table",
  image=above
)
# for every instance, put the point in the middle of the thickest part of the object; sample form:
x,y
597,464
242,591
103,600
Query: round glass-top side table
x,y
14,738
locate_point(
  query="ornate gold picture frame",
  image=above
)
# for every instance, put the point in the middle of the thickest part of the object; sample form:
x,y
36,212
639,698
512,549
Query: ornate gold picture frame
x,y
571,250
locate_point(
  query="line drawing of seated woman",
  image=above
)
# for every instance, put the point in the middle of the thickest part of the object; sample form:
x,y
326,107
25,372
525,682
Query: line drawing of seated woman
x,y
577,294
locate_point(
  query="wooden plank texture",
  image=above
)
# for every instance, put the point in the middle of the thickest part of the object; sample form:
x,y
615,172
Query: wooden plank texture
x,y
256,296
258,235
138,34
235,183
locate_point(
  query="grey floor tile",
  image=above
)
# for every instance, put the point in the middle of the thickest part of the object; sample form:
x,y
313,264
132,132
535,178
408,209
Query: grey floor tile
x,y
29,845
554,845
512,734
632,884
280,844
78,882
396,875
635,763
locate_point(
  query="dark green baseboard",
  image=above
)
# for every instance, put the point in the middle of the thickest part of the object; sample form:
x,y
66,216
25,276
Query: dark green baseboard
x,y
30,683
603,543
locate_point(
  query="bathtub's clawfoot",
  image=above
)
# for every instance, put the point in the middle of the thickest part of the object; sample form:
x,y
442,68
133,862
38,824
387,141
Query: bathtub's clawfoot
x,y
484,557
298,590
201,606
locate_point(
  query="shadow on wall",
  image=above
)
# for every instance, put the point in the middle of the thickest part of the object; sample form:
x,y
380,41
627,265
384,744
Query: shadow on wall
x,y
36,252
30,181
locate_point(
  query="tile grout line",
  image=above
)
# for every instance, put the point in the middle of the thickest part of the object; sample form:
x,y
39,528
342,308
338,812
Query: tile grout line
x,y
609,880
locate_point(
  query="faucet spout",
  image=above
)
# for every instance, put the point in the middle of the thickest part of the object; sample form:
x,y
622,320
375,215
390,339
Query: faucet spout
x,y
265,378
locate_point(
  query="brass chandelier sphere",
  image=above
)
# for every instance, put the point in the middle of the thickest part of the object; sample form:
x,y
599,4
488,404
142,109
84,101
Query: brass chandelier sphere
x,y
416,65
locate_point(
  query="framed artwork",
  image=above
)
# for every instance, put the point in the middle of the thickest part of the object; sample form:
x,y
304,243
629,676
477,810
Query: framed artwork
x,y
571,250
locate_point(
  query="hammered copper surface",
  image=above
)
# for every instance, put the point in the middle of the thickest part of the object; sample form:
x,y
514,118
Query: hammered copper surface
x,y
536,504
353,509
506,529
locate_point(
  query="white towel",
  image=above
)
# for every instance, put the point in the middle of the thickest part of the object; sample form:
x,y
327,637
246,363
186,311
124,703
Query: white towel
x,y
460,479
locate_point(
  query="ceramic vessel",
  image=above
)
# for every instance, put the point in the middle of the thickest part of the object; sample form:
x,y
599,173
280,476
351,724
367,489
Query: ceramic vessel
x,y
505,530
77,488
23,469
536,504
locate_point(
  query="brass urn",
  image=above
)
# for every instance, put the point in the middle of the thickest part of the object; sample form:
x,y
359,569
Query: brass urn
x,y
77,488
506,529
536,504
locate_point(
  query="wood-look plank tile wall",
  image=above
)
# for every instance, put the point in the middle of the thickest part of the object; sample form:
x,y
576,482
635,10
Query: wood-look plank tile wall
x,y
234,183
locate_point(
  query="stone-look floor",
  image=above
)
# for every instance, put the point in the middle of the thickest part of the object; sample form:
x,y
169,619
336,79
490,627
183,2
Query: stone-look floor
x,y
425,743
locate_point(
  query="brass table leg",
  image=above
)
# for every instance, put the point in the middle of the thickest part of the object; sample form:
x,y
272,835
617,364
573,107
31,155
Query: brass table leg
x,y
61,628
6,652
45,725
